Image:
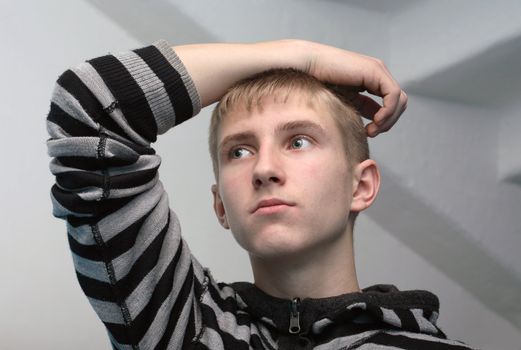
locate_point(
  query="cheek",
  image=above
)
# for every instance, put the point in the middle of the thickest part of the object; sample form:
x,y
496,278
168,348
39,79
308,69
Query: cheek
x,y
331,180
232,186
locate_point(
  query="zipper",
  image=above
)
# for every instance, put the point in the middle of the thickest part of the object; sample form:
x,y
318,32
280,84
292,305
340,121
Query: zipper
x,y
294,320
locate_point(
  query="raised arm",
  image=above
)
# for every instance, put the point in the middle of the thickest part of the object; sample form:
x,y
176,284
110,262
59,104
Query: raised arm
x,y
356,72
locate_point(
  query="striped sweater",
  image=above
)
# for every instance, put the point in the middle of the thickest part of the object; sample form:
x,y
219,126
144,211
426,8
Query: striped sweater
x,y
130,259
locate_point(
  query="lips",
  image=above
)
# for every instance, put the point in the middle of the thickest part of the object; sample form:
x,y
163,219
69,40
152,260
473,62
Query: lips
x,y
272,202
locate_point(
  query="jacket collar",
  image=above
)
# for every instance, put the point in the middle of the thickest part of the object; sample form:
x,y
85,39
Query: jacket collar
x,y
414,311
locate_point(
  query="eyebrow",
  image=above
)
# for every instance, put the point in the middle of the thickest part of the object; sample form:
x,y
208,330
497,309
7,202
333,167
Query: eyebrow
x,y
289,126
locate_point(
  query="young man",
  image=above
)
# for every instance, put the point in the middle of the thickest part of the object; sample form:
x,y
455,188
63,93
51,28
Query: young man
x,y
288,185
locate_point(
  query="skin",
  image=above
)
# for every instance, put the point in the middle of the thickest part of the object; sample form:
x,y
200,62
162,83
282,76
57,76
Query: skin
x,y
292,152
354,71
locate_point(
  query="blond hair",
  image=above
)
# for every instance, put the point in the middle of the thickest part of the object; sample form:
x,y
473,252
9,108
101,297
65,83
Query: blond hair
x,y
280,84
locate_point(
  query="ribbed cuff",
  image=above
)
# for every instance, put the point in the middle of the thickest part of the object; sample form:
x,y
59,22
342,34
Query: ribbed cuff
x,y
175,61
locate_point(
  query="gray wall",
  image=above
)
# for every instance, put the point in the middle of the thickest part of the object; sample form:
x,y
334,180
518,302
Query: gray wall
x,y
447,219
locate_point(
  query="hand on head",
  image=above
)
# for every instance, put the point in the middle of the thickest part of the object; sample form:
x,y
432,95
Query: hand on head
x,y
354,73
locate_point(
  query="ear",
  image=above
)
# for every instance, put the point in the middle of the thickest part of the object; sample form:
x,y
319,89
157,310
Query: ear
x,y
366,182
218,207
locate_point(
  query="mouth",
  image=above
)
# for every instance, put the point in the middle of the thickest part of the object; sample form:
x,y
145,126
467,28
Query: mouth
x,y
271,206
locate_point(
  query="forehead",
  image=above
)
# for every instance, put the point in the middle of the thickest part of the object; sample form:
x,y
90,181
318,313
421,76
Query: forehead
x,y
270,111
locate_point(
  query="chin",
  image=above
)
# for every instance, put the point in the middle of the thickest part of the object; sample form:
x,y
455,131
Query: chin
x,y
277,245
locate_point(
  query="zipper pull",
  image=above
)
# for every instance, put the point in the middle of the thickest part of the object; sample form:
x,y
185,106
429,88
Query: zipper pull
x,y
294,321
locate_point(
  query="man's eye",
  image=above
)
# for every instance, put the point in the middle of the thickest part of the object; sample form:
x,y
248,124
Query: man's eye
x,y
239,153
300,142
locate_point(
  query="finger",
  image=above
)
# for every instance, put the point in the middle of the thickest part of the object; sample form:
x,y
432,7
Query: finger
x,y
366,106
381,83
389,122
371,129
390,105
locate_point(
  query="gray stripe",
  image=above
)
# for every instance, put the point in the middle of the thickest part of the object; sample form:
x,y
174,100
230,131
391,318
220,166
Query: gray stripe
x,y
227,321
176,339
212,339
57,168
426,337
391,317
174,60
318,326
92,269
152,87
425,325
55,131
434,317
87,146
138,299
164,313
89,193
82,234
348,340
128,192
72,106
225,291
377,347
267,320
73,147
148,231
115,148
60,211
107,311
198,317
90,77
116,222
362,306
120,346
258,329
240,302
198,269
144,162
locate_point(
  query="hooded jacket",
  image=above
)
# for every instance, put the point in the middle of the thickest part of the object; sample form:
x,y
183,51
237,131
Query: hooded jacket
x,y
378,315
130,259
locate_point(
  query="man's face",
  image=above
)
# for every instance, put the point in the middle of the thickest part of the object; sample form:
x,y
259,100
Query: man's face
x,y
284,184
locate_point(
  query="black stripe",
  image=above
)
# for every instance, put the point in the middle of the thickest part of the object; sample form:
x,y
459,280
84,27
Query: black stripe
x,y
89,163
121,243
172,81
343,329
76,221
229,341
145,263
198,346
227,305
176,310
69,124
73,84
375,311
408,321
256,343
72,180
190,331
403,342
141,323
96,289
76,204
131,98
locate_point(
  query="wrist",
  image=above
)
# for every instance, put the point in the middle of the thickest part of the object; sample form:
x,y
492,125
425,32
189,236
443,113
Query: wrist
x,y
287,53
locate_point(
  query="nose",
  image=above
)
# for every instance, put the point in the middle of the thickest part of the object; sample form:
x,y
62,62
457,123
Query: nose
x,y
268,169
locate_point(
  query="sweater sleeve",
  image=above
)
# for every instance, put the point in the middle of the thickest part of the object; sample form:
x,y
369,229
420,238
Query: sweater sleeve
x,y
126,244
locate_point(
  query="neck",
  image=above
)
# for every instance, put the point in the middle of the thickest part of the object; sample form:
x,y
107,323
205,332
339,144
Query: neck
x,y
325,272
